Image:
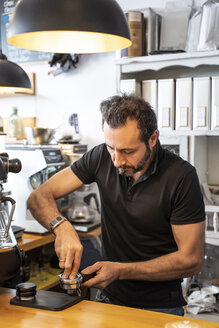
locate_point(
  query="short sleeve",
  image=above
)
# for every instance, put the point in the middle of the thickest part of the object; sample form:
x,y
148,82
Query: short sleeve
x,y
86,167
188,205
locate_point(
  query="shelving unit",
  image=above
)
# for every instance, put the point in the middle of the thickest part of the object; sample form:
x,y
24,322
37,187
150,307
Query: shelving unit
x,y
203,146
157,62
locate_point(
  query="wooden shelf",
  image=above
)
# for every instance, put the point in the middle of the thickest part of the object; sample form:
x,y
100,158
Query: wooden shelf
x,y
30,241
157,62
47,279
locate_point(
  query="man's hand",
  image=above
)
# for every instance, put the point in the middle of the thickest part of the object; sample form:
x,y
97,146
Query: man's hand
x,y
106,272
184,262
68,249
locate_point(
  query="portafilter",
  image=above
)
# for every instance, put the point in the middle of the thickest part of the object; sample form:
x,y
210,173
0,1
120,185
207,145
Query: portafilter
x,y
73,286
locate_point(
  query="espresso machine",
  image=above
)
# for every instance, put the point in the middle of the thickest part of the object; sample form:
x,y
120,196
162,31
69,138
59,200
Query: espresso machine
x,y
39,163
10,255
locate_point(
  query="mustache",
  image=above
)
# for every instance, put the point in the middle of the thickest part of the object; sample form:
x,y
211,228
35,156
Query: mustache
x,y
124,167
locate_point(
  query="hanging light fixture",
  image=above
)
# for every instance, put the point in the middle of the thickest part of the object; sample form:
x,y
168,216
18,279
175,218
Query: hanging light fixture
x,y
69,26
12,77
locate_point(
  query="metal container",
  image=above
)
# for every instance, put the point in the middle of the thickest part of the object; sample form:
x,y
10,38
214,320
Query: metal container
x,y
38,136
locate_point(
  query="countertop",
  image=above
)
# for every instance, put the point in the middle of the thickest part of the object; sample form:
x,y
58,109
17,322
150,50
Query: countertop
x,y
85,314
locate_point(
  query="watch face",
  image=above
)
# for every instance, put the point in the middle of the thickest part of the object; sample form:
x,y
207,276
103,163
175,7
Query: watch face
x,y
54,223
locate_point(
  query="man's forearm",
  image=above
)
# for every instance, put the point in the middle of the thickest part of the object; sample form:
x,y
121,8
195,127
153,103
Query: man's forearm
x,y
167,267
43,207
170,266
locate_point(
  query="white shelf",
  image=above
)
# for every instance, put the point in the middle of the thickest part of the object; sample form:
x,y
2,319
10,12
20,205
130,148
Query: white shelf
x,y
189,133
157,62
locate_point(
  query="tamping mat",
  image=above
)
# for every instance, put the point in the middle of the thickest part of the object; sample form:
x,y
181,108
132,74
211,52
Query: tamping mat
x,y
47,300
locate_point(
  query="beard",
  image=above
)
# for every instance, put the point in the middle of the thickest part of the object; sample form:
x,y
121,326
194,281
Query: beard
x,y
129,171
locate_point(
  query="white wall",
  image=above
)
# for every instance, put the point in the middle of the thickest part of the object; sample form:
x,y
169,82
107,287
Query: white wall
x,y
78,91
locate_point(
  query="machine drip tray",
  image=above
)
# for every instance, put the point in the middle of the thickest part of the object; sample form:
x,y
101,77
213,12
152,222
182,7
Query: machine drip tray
x,y
47,300
85,227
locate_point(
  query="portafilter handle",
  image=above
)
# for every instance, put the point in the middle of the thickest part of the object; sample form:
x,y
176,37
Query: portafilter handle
x,y
12,201
86,277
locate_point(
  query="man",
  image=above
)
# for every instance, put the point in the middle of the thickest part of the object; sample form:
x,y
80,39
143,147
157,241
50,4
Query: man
x,y
152,212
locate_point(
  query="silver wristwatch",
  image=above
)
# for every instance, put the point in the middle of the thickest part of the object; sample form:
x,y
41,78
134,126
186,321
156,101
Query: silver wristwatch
x,y
56,222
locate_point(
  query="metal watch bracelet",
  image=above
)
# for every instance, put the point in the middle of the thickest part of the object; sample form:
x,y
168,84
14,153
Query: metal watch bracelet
x,y
56,222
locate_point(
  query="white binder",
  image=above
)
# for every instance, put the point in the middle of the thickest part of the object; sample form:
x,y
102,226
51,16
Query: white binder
x,y
166,96
149,93
201,103
215,103
184,104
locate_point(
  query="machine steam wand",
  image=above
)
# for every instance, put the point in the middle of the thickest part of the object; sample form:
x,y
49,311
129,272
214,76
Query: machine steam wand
x,y
12,201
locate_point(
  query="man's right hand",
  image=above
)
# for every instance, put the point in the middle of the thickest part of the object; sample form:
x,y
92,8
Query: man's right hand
x,y
68,249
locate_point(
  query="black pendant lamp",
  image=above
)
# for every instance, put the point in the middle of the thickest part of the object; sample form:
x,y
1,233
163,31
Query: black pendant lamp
x,y
69,26
12,77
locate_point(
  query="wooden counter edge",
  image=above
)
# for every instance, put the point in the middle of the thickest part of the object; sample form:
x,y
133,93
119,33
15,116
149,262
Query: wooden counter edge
x,y
86,312
30,241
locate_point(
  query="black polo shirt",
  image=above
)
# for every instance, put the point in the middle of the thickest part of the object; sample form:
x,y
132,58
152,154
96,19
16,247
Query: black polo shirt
x,y
136,218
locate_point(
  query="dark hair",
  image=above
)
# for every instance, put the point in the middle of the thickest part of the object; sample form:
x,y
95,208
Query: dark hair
x,y
117,109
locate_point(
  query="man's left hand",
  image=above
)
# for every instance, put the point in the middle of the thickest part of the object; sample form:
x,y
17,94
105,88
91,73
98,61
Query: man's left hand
x,y
106,272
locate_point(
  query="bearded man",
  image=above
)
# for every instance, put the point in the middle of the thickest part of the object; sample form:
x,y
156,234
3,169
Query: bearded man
x,y
152,212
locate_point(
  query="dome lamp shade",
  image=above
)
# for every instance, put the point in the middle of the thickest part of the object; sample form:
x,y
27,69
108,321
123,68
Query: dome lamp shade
x,y
69,26
12,77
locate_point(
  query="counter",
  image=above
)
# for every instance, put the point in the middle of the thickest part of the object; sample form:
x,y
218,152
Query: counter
x,y
85,314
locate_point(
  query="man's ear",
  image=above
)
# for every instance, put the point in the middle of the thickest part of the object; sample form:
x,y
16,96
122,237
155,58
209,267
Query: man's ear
x,y
153,139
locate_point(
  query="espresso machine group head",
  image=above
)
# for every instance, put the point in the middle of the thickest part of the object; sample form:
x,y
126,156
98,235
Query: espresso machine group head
x,y
10,256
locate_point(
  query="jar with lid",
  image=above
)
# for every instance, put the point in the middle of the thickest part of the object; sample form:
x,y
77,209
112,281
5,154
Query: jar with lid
x,y
15,124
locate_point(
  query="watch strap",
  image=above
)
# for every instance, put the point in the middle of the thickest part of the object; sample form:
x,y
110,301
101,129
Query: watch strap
x,y
56,222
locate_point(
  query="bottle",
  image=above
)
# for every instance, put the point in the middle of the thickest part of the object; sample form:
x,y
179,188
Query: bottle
x,y
15,124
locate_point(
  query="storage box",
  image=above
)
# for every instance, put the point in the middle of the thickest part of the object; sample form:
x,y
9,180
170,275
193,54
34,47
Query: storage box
x,y
215,103
201,103
184,104
166,102
149,93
